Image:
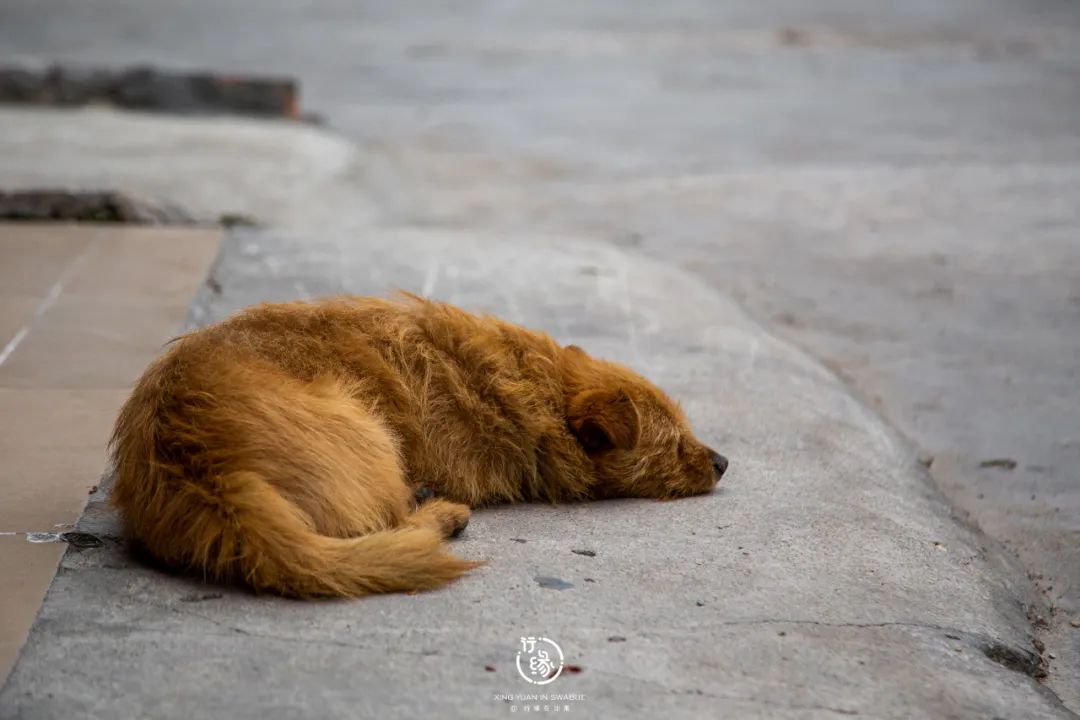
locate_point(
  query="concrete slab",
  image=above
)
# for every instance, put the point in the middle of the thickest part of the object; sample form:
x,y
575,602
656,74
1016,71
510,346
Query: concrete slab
x,y
65,347
15,312
34,257
891,185
825,578
52,459
82,309
27,571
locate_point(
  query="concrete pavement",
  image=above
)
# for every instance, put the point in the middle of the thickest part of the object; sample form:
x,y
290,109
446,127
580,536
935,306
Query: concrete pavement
x,y
82,310
888,185
826,577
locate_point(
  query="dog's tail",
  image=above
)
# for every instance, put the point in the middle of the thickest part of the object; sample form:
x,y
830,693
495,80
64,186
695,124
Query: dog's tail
x,y
200,473
245,530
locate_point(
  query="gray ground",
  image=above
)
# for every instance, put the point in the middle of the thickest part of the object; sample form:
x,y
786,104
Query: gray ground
x,y
892,186
825,578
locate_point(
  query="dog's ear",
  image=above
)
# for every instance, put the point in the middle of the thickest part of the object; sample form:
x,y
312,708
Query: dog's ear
x,y
604,419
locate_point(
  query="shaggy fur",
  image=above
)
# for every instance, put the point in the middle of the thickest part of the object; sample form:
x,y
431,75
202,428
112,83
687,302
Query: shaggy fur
x,y
283,446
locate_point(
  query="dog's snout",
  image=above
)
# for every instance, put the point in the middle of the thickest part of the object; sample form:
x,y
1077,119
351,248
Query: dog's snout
x,y
719,463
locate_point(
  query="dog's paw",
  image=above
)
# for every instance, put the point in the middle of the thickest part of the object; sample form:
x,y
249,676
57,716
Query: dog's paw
x,y
460,527
449,518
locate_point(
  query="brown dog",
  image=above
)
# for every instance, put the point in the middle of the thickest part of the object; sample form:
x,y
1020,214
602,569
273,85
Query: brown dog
x,y
283,446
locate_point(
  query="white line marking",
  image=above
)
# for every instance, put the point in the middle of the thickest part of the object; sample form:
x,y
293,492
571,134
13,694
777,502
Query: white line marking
x,y
42,537
14,342
49,300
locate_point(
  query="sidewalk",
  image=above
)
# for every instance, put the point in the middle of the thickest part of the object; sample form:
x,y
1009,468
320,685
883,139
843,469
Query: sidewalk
x,y
826,576
890,186
82,310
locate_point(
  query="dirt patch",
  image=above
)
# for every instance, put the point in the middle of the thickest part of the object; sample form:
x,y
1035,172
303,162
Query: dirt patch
x,y
1021,661
50,205
151,89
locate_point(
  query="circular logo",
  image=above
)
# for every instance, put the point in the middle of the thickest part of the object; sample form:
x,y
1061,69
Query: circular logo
x,y
540,660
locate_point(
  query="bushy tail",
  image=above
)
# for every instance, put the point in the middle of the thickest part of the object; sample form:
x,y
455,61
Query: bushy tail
x,y
249,532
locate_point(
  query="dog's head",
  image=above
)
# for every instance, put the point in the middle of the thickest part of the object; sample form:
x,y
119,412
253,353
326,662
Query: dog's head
x,y
637,438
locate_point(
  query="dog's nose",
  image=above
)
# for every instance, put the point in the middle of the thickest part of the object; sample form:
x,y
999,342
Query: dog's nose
x,y
719,464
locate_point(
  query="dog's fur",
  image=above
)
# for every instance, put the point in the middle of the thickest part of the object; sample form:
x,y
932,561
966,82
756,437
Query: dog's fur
x,y
283,446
